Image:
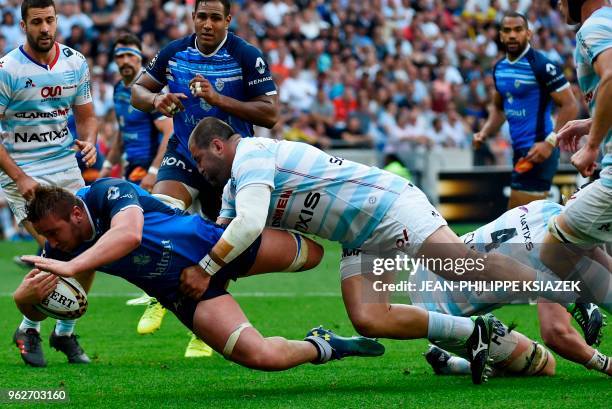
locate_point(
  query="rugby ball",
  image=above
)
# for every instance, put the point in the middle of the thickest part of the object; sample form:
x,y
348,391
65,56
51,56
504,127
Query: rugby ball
x,y
67,301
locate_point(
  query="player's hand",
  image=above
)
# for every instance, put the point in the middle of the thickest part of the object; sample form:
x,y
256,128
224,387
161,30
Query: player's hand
x,y
60,268
584,160
26,186
539,152
88,150
479,139
148,182
35,287
570,134
169,104
194,281
201,88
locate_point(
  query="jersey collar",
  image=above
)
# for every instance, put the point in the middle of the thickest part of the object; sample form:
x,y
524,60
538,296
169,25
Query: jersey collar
x,y
195,44
46,67
525,51
93,226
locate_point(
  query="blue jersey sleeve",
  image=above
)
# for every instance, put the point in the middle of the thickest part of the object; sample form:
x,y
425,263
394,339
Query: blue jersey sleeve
x,y
110,196
158,65
255,71
549,75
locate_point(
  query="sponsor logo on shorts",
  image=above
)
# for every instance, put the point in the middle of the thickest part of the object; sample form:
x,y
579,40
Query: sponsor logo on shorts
x,y
141,259
37,115
162,265
281,205
604,227
350,252
403,240
41,136
307,213
172,161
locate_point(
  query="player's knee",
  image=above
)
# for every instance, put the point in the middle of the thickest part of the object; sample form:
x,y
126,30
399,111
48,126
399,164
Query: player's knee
x,y
315,254
365,323
264,358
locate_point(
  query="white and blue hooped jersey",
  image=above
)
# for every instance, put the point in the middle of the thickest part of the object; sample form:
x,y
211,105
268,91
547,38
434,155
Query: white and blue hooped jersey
x,y
593,38
517,234
525,86
35,102
313,192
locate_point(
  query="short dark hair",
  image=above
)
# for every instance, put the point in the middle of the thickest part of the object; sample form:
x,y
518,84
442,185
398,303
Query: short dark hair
x,y
51,200
227,5
34,4
128,39
208,129
515,14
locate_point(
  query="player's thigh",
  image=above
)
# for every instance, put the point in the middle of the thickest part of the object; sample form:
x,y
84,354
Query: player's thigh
x,y
173,189
520,198
587,216
279,249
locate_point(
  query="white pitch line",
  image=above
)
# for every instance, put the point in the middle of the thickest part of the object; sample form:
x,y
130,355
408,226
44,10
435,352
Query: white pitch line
x,y
245,294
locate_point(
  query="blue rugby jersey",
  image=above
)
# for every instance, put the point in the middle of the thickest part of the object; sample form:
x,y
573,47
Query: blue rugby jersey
x,y
36,101
236,69
525,86
140,136
171,240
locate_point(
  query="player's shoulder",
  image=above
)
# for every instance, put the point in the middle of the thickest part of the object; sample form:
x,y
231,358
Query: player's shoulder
x,y
538,58
72,56
599,22
12,62
178,45
241,49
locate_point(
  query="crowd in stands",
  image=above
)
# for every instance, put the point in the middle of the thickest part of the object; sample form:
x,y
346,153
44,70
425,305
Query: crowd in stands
x,y
388,75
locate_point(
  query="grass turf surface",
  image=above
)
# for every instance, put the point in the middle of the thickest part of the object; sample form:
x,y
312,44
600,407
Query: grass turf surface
x,y
133,371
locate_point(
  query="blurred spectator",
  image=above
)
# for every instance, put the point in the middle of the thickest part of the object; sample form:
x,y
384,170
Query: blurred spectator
x,y
11,31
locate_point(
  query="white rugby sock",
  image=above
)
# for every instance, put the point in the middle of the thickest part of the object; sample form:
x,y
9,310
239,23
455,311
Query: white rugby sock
x,y
443,327
27,323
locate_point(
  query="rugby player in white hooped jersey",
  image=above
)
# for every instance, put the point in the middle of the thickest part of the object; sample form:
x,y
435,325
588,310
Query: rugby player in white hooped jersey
x,y
295,186
40,82
513,353
586,220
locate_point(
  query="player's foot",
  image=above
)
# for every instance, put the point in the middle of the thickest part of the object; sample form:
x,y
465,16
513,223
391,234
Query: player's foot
x,y
196,348
29,344
25,264
438,359
477,347
591,320
333,346
151,319
144,299
69,345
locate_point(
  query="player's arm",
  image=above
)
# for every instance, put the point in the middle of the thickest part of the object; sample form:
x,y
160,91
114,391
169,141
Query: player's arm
x,y
147,96
602,120
25,184
567,110
87,130
114,155
165,126
252,203
495,120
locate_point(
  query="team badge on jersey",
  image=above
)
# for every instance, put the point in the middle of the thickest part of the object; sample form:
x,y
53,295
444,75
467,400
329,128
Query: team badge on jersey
x,y
219,84
205,105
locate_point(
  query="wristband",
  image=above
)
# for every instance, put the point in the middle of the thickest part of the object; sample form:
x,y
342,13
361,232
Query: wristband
x,y
107,164
153,170
209,265
552,139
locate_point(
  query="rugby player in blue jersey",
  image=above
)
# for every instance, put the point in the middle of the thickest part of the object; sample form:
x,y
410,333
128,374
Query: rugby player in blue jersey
x,y
42,83
209,73
527,84
115,227
143,136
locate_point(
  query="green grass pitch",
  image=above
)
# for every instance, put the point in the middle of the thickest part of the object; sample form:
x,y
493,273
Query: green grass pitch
x,y
132,371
